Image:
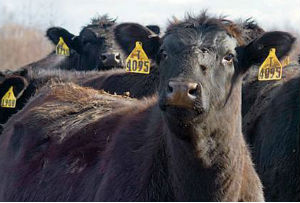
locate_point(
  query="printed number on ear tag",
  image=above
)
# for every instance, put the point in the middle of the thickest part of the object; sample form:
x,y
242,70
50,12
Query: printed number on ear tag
x,y
271,68
9,99
137,61
62,48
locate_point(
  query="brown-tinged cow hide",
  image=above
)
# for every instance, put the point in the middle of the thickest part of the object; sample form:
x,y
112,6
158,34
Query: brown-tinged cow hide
x,y
184,145
161,195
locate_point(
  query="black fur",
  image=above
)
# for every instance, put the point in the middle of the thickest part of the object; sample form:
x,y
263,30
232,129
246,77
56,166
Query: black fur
x,y
75,144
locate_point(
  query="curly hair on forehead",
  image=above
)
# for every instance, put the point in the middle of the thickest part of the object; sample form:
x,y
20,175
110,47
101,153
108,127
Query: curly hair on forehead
x,y
102,21
204,21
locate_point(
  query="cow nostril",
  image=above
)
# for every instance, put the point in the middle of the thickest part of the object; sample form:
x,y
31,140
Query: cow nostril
x,y
192,87
193,91
203,68
118,56
170,89
103,57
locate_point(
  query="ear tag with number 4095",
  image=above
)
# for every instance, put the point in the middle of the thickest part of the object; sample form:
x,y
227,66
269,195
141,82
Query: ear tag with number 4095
x,y
271,68
9,99
137,61
62,48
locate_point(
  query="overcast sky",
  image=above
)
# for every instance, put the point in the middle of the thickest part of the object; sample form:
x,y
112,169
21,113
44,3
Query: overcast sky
x,y
73,14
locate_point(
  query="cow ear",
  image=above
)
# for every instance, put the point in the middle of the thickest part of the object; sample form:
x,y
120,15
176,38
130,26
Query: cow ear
x,y
54,33
154,28
126,34
257,51
18,83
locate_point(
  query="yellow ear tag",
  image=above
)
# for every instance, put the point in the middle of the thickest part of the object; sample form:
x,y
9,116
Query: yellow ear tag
x,y
285,61
137,61
62,48
271,68
9,99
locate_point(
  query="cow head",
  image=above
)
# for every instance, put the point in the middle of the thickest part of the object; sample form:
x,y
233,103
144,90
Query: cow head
x,y
95,45
202,61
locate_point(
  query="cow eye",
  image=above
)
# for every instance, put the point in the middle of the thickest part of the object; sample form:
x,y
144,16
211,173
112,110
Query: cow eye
x,y
229,57
162,55
86,43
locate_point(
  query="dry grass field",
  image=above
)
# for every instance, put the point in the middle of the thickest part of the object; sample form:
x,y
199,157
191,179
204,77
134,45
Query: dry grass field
x,y
20,45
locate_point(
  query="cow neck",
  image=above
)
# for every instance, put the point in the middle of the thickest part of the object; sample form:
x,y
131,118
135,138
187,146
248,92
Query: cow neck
x,y
209,167
49,62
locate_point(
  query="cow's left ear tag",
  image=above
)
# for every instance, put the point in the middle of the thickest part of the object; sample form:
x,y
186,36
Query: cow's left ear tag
x,y
138,61
62,48
9,100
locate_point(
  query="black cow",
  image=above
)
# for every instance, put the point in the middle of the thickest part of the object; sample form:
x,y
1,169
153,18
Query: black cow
x,y
74,144
271,125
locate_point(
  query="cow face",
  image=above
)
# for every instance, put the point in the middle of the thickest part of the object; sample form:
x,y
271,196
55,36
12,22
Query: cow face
x,y
200,63
95,45
98,47
197,67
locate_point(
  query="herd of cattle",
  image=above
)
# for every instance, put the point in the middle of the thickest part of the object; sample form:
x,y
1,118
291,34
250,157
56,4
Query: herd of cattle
x,y
199,127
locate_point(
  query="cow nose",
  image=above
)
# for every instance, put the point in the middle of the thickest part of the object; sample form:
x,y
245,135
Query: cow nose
x,y
181,93
111,59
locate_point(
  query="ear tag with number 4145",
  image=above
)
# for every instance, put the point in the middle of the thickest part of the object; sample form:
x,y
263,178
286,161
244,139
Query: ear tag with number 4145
x,y
9,100
62,48
137,61
271,68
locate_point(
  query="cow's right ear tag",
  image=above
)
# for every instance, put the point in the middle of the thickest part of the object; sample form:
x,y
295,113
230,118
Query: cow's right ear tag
x,y
9,100
138,61
271,68
62,48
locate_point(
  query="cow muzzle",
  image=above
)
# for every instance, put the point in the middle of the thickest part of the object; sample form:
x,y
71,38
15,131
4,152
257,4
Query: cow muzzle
x,y
111,59
182,94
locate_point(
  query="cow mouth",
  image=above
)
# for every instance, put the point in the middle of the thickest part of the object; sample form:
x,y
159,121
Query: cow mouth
x,y
195,105
108,67
181,111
